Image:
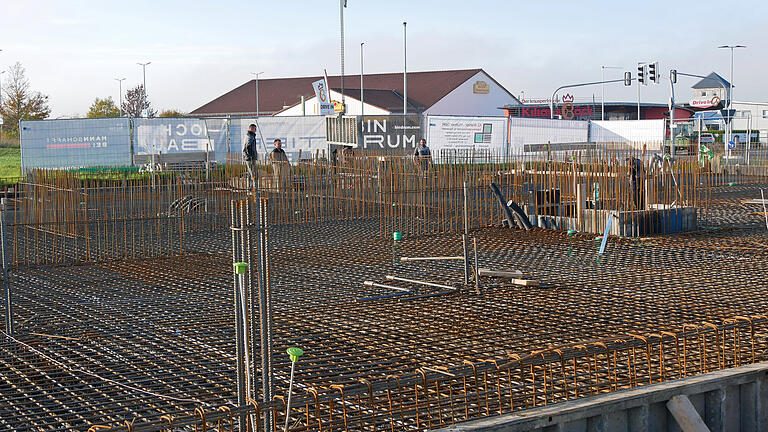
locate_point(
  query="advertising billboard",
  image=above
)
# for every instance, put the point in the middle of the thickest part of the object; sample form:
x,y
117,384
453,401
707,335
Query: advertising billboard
x,y
389,132
75,143
466,134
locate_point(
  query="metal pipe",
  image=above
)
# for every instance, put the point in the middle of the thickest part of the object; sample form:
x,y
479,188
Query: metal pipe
x,y
418,282
378,285
437,258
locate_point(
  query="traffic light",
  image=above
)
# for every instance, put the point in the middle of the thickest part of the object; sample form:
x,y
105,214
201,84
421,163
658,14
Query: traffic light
x,y
653,75
673,76
627,78
642,74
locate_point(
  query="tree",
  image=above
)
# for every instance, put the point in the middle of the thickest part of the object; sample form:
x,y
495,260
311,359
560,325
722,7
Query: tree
x,y
171,113
103,108
136,102
19,101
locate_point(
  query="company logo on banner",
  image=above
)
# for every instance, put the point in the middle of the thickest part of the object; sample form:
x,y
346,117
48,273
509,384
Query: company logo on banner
x,y
156,136
705,103
481,87
389,132
54,143
322,93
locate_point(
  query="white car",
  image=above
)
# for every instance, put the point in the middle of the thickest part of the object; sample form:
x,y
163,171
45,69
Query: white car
x,y
707,138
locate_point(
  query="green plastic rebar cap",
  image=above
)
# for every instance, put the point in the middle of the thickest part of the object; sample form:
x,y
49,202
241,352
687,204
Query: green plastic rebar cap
x,y
731,184
240,267
397,235
571,233
295,353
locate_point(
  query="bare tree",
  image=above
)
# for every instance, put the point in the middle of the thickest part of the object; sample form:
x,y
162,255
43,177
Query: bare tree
x,y
136,101
19,101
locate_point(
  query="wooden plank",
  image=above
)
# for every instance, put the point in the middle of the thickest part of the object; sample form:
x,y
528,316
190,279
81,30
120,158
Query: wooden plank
x,y
683,411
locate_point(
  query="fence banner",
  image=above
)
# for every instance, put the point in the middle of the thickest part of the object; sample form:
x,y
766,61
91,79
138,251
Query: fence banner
x,y
525,132
179,135
305,134
75,143
466,134
648,132
390,132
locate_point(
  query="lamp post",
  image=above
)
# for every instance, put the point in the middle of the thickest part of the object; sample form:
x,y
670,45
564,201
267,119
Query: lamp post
x,y
256,74
405,71
729,126
120,94
362,97
602,90
144,74
1,100
342,5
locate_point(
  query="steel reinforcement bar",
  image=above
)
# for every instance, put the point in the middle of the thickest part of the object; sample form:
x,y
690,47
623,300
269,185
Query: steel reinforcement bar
x,y
434,397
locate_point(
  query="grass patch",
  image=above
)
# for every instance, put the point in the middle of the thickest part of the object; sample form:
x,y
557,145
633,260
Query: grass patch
x,y
10,160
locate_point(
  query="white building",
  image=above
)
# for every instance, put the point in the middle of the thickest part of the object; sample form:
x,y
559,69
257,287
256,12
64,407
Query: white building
x,y
467,92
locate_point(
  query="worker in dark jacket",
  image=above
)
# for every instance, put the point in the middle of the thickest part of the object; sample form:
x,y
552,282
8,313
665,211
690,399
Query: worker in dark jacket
x,y
423,155
249,151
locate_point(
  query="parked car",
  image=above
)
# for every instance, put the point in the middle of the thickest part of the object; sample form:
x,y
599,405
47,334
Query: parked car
x,y
707,138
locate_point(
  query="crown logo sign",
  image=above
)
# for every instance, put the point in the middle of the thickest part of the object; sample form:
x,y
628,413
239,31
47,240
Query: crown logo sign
x,y
568,98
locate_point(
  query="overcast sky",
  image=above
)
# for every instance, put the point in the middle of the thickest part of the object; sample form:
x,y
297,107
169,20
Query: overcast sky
x,y
73,50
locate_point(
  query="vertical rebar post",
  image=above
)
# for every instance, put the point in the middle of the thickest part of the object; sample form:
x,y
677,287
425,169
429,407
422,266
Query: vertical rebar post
x,y
239,269
465,236
6,283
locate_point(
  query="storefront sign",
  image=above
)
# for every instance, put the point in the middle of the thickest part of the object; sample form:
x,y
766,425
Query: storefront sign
x,y
705,103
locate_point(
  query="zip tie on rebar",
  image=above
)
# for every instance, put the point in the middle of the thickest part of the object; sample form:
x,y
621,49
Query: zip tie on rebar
x,y
91,374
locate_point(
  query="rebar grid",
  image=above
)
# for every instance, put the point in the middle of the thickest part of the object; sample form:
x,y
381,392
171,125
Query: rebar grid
x,y
158,334
59,217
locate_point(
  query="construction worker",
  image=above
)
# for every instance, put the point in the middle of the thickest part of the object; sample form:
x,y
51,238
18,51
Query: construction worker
x,y
281,169
423,155
249,151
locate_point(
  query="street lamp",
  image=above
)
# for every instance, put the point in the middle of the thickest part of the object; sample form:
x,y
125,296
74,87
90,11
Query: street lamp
x,y
362,97
120,94
1,101
731,47
729,126
405,72
602,90
144,72
256,74
342,5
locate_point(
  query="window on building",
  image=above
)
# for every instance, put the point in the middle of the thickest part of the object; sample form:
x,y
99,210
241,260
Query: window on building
x,y
765,113
703,93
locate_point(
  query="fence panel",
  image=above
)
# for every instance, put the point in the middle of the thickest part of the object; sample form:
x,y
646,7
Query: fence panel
x,y
75,143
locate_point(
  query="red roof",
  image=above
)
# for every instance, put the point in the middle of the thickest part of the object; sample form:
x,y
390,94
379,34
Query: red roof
x,y
424,90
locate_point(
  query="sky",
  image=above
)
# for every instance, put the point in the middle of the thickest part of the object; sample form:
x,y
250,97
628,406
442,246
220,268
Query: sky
x,y
73,50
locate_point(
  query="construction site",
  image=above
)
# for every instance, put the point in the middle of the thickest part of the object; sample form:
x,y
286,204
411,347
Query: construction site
x,y
422,295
